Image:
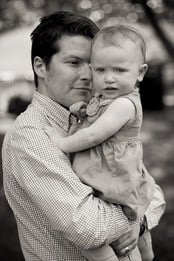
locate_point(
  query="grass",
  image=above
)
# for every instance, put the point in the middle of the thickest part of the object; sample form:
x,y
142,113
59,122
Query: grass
x,y
158,136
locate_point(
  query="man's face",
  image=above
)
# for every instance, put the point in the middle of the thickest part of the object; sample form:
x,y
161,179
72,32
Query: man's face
x,y
67,78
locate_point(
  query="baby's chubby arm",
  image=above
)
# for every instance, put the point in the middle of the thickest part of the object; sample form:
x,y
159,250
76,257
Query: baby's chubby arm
x,y
119,112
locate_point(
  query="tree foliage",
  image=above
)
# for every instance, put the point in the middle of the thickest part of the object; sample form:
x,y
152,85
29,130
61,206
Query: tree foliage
x,y
21,12
14,13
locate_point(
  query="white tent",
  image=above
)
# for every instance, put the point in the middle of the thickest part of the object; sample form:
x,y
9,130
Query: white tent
x,y
15,47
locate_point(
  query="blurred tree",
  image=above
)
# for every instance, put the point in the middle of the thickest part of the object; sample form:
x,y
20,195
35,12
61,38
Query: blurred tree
x,y
170,3
15,13
149,7
20,12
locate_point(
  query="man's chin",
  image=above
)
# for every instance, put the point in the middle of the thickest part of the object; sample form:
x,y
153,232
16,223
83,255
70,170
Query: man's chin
x,y
84,96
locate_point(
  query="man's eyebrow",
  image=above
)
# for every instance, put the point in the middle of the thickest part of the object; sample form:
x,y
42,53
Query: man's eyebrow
x,y
72,56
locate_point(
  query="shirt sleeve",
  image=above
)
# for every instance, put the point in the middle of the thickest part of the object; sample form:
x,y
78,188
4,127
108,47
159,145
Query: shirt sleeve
x,y
45,173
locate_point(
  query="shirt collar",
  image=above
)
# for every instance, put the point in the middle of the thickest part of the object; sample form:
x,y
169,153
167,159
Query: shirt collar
x,y
53,110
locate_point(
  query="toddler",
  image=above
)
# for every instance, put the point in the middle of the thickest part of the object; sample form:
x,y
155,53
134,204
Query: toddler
x,y
108,146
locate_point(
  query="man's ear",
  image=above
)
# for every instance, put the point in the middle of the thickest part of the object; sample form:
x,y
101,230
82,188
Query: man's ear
x,y
39,67
142,71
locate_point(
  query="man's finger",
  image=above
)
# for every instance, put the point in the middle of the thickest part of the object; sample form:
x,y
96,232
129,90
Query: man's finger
x,y
126,250
124,244
124,237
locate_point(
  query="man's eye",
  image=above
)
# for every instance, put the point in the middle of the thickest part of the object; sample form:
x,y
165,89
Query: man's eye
x,y
74,62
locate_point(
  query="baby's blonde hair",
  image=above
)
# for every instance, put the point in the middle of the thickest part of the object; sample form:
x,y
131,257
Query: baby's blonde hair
x,y
114,35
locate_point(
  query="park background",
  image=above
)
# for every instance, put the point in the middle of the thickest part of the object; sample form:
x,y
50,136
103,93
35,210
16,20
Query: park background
x,y
155,20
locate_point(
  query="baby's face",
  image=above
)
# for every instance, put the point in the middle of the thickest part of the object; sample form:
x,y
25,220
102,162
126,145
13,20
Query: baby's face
x,y
116,69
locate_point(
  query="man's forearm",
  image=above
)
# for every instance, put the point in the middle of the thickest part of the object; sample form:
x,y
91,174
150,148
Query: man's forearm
x,y
101,224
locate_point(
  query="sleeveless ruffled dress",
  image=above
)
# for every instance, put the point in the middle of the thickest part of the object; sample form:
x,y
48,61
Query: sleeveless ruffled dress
x,y
114,168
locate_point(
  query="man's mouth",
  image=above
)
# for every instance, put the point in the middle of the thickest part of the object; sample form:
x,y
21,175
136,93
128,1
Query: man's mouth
x,y
83,88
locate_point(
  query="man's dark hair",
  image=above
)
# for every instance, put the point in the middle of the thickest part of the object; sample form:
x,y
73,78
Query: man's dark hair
x,y
51,28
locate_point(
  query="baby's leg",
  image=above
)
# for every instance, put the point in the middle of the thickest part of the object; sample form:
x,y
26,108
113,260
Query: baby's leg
x,y
145,246
104,253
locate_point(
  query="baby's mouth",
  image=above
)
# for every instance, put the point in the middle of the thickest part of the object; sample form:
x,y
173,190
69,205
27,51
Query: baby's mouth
x,y
111,88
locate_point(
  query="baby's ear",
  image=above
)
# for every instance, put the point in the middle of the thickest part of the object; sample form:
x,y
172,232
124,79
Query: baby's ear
x,y
142,71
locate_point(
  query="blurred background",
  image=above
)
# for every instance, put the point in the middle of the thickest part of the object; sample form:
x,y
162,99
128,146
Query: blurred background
x,y
155,20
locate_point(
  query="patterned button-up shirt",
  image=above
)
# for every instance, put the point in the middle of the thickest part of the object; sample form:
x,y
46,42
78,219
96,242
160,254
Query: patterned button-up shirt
x,y
56,214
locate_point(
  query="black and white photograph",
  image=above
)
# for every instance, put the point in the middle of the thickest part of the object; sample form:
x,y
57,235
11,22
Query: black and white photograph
x,y
87,130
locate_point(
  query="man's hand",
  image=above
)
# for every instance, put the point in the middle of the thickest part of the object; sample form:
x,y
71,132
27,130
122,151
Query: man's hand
x,y
127,242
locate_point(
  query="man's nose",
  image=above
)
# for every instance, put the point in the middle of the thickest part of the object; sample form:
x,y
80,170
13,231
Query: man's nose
x,y
85,73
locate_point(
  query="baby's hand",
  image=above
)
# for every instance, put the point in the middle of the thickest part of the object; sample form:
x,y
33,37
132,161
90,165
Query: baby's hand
x,y
79,109
53,135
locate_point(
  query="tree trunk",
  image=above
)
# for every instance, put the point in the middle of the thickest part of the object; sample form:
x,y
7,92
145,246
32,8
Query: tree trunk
x,y
158,29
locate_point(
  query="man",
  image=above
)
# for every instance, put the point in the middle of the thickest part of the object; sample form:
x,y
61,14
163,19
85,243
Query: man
x,y
56,214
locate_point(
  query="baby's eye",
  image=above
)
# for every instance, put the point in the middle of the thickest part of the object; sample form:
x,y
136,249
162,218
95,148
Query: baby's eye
x,y
99,70
119,70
